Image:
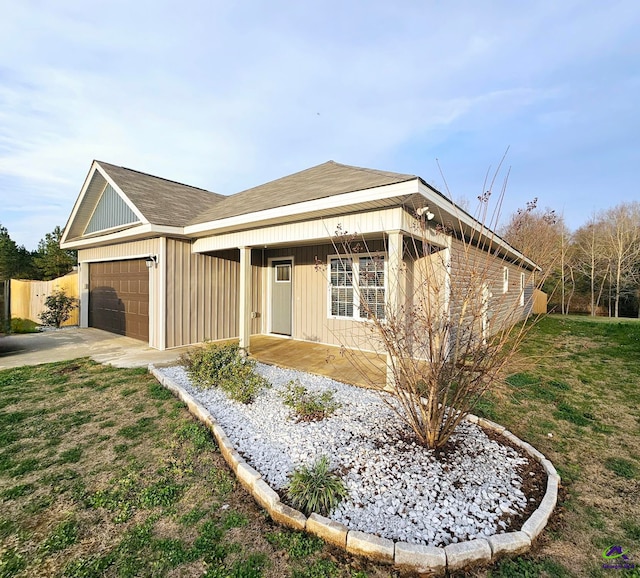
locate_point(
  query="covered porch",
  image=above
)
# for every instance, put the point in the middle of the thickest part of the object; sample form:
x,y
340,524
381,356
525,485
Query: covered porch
x,y
348,366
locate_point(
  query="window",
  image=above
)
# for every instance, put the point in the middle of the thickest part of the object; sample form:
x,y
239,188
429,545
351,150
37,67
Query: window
x,y
505,279
522,289
283,273
371,284
341,287
367,274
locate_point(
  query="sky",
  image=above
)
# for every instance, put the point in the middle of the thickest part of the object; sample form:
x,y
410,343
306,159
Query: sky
x,y
229,95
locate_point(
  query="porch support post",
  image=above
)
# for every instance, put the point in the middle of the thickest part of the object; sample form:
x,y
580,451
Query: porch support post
x,y
394,286
244,300
83,291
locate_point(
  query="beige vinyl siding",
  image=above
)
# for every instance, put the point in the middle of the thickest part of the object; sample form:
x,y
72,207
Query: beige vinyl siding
x,y
503,308
202,294
310,302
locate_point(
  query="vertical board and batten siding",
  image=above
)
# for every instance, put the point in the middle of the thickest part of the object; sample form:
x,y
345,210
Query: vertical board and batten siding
x,y
202,294
111,211
310,302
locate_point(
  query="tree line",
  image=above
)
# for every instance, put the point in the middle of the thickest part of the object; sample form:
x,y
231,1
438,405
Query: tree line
x,y
47,262
594,269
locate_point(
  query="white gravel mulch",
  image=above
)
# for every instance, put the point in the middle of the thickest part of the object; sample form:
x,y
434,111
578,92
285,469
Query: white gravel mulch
x,y
397,489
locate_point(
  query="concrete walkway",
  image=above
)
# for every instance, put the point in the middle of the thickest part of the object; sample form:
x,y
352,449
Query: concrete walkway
x,y
72,342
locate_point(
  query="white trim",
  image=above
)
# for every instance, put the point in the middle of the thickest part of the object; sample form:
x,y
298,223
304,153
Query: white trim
x,y
95,166
115,228
120,226
440,205
331,202
268,305
319,230
522,286
120,258
355,270
76,206
505,279
162,297
130,233
244,298
83,280
152,304
118,190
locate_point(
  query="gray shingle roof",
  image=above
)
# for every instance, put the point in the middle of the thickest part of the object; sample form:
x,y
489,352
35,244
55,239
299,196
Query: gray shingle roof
x,y
161,201
318,182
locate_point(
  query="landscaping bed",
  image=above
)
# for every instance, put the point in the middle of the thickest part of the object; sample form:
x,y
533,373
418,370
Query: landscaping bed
x,y
397,489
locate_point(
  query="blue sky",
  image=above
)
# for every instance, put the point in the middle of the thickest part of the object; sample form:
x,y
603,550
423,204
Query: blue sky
x,y
229,95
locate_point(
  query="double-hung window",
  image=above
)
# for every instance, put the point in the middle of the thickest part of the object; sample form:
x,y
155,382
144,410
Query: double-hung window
x,y
357,287
341,297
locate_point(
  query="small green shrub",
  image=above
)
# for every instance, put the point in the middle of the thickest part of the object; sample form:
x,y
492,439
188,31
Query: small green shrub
x,y
58,308
223,366
19,325
309,406
316,488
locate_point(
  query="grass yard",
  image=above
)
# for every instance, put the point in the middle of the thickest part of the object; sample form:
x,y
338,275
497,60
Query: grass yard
x,y
104,473
579,380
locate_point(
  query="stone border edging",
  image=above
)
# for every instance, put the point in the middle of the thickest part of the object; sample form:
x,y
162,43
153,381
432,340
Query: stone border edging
x,y
408,556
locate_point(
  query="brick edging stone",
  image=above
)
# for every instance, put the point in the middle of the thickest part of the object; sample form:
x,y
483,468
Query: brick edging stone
x,y
415,557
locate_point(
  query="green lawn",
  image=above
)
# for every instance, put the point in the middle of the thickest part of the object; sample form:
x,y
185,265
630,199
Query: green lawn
x,y
578,379
103,473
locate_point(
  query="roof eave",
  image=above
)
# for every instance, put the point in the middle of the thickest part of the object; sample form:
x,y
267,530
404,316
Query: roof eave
x,y
338,202
142,231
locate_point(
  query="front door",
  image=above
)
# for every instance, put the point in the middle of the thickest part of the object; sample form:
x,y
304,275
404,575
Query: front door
x,y
281,296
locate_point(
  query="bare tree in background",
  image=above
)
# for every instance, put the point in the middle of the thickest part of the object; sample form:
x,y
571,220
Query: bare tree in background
x,y
621,244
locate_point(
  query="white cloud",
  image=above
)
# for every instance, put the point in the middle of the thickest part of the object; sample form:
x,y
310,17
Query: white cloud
x,y
226,96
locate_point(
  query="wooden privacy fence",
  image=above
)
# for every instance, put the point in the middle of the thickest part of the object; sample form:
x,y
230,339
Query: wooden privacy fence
x,y
539,302
4,304
27,297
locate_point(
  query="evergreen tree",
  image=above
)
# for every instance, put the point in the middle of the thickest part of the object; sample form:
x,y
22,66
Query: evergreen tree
x,y
9,255
51,260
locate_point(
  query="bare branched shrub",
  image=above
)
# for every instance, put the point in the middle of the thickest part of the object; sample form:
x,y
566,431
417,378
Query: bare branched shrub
x,y
449,310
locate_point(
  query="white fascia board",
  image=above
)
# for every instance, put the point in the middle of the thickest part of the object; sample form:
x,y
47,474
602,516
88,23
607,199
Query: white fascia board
x,y
126,235
463,217
332,202
316,230
126,199
76,206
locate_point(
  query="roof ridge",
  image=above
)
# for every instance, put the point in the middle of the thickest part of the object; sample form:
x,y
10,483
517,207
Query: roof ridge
x,y
159,178
375,171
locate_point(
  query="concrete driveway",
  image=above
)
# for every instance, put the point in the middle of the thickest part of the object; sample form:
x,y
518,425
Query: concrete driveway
x,y
72,342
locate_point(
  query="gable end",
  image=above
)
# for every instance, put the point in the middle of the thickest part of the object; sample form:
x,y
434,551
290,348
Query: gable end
x,y
110,212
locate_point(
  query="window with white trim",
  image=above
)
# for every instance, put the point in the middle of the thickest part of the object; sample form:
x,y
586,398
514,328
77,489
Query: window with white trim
x,y
341,297
505,279
522,281
357,287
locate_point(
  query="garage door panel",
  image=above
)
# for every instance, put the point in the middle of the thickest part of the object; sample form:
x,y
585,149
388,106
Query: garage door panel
x,y
119,297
